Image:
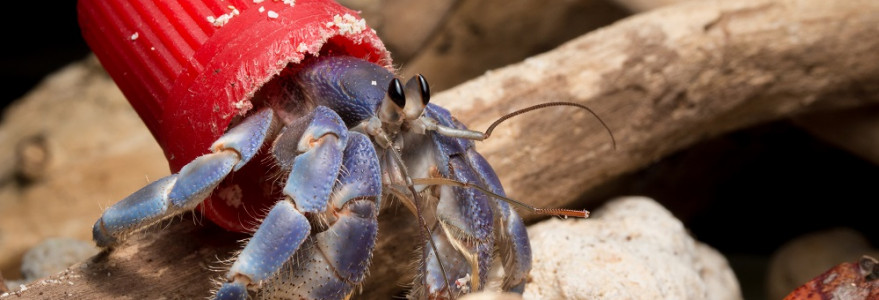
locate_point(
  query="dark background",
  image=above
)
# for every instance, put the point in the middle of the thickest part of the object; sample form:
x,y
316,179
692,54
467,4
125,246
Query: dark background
x,y
39,37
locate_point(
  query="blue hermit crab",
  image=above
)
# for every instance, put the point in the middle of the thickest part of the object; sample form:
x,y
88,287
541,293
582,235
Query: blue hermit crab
x,y
285,119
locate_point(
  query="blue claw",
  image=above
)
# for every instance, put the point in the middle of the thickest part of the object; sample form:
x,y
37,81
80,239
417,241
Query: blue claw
x,y
362,175
197,179
232,291
349,242
319,139
184,191
249,136
333,262
281,233
146,206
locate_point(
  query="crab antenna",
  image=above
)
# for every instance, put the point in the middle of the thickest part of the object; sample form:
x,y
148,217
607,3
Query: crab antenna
x,y
558,212
430,124
545,105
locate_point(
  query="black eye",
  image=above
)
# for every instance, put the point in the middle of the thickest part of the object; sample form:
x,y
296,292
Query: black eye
x,y
425,89
395,92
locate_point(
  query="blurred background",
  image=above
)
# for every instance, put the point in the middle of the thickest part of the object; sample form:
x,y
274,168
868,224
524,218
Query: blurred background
x,y
40,39
747,193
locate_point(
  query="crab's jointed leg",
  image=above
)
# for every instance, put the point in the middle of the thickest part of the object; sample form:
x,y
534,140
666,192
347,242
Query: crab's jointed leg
x,y
471,222
183,191
466,217
335,261
512,237
327,221
280,234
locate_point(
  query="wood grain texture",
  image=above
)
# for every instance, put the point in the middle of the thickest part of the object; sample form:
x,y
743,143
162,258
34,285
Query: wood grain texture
x,y
662,80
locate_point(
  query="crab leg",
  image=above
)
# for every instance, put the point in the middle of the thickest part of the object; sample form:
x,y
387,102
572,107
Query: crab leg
x,y
515,250
464,227
456,265
334,261
466,217
181,192
315,149
280,234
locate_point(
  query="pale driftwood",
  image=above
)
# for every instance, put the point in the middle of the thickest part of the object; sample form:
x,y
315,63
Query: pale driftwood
x,y
664,80
661,80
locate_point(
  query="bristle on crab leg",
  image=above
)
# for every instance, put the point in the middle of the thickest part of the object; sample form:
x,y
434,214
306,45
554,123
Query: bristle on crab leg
x,y
315,149
181,192
280,234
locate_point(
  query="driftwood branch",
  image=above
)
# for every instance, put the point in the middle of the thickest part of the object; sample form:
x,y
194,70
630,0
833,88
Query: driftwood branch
x,y
662,80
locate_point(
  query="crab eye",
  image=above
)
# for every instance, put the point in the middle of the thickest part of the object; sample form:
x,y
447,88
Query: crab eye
x,y
424,89
395,92
417,84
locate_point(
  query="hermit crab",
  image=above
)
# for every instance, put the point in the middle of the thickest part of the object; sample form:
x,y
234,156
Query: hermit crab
x,y
285,119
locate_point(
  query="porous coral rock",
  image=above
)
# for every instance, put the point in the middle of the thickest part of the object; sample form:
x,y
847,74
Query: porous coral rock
x,y
632,248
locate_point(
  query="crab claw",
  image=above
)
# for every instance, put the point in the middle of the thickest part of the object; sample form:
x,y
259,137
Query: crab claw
x,y
322,263
182,192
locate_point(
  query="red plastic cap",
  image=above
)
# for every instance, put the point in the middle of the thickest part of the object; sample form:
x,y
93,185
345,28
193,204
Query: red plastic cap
x,y
189,67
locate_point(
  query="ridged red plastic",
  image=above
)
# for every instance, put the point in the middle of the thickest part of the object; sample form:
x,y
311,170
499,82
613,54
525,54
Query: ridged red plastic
x,y
187,77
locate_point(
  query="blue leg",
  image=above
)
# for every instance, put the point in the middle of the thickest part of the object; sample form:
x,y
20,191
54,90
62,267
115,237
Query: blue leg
x,y
511,236
347,245
515,249
311,149
329,264
181,192
280,234
332,263
466,218
456,265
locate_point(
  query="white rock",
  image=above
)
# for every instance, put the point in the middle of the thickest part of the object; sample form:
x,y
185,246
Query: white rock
x,y
630,249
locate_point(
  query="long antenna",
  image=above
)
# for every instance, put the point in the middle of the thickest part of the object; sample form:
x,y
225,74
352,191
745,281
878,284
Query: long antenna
x,y
545,105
